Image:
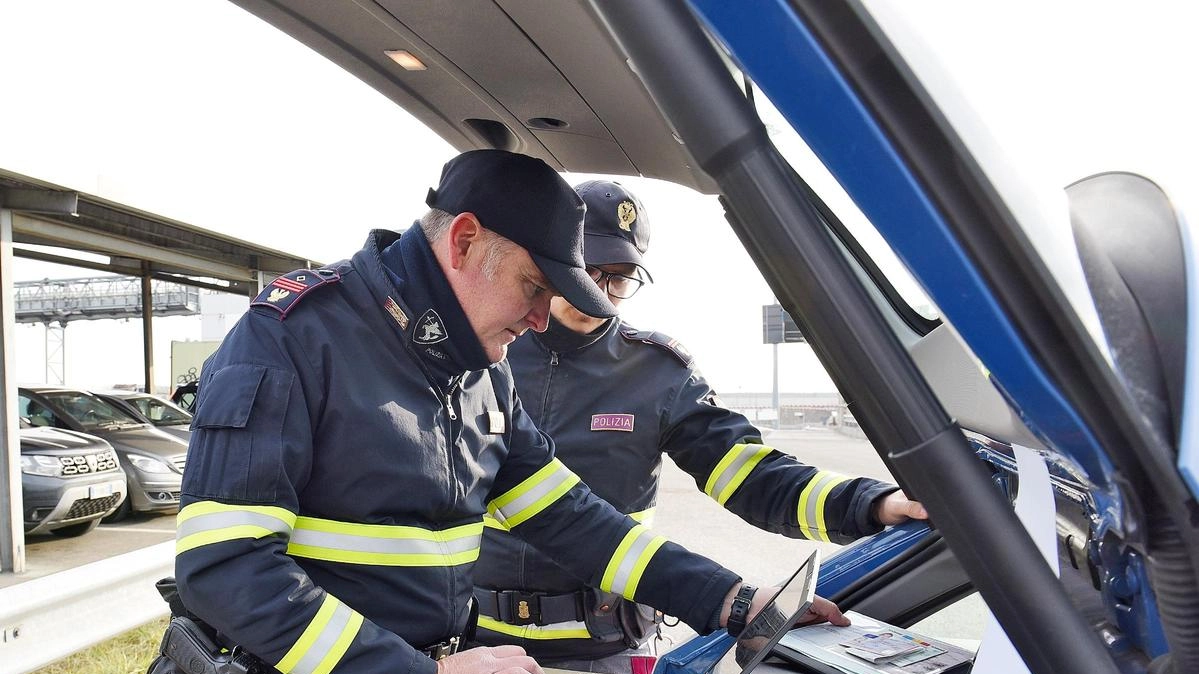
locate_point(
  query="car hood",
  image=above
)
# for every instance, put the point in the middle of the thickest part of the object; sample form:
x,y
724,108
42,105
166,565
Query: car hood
x,y
146,441
181,431
58,441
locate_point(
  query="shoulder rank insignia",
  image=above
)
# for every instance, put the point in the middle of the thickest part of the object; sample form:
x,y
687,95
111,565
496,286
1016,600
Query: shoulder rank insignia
x,y
660,340
283,293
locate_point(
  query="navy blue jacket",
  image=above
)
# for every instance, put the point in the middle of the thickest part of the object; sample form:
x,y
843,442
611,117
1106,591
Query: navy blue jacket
x,y
335,491
614,407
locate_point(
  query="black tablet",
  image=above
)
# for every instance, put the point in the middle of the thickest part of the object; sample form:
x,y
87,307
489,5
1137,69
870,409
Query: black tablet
x,y
791,600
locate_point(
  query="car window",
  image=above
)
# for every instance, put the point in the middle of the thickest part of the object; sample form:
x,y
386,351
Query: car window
x,y
91,412
160,411
35,412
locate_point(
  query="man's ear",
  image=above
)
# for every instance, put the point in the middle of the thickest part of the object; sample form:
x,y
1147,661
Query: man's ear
x,y
465,232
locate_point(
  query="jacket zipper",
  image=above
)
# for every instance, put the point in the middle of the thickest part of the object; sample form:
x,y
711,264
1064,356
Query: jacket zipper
x,y
546,400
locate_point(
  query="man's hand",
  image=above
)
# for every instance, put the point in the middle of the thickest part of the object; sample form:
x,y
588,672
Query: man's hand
x,y
822,610
896,507
759,630
490,660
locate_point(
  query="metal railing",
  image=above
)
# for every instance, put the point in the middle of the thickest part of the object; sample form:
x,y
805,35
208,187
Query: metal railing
x,y
46,619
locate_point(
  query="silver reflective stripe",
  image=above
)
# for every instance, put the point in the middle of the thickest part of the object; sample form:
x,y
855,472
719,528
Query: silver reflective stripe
x,y
534,494
628,563
812,499
397,546
738,457
321,647
230,518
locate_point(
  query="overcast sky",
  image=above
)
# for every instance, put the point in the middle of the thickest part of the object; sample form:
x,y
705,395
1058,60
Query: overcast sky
x,y
200,112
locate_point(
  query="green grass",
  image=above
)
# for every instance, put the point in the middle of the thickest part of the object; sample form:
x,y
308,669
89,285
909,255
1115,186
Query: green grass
x,y
130,653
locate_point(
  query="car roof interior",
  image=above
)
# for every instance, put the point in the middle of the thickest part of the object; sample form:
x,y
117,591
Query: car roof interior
x,y
575,103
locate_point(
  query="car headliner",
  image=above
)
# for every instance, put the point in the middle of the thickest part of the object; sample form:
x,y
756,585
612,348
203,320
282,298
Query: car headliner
x,y
505,74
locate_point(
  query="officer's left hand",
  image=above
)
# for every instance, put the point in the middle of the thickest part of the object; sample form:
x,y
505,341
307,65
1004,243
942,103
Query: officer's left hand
x,y
896,507
822,610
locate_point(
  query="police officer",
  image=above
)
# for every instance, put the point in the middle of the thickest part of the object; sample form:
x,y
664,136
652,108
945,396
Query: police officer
x,y
615,399
353,429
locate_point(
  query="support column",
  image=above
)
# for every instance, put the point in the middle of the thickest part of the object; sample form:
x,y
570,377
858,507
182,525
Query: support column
x,y
774,397
56,352
12,528
148,327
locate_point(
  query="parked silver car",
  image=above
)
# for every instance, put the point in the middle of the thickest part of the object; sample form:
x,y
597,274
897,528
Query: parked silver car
x,y
153,460
69,480
163,414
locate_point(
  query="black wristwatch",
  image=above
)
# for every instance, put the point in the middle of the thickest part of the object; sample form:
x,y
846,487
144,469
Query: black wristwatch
x,y
740,609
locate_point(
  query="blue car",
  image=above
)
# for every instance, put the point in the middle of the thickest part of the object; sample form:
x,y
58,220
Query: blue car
x,y
1047,343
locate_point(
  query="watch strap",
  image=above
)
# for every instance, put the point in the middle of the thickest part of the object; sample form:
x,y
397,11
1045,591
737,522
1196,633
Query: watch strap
x,y
740,609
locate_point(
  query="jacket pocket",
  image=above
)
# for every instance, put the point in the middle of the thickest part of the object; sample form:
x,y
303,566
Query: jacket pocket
x,y
236,450
233,389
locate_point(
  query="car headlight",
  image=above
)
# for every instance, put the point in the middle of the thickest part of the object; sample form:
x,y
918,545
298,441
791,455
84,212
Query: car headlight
x,y
148,465
37,464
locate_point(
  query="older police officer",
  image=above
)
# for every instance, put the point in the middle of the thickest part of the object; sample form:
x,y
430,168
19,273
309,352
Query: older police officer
x,y
615,399
352,431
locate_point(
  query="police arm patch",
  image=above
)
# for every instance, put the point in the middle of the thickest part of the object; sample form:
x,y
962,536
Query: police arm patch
x,y
283,293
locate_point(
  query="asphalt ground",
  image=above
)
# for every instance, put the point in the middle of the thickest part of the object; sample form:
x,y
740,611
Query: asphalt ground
x,y
684,514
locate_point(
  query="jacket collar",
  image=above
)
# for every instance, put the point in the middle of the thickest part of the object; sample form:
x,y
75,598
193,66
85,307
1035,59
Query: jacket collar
x,y
431,319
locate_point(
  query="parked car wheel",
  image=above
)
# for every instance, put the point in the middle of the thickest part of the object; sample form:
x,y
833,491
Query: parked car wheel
x,y
122,511
73,530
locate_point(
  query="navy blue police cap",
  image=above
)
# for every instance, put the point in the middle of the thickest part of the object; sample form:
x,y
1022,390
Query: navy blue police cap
x,y
524,200
616,229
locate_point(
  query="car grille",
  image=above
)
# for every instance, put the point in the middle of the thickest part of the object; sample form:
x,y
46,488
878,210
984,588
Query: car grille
x,y
89,463
179,462
92,506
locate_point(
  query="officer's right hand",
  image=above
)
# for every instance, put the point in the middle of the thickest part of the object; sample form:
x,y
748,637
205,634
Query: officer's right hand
x,y
490,660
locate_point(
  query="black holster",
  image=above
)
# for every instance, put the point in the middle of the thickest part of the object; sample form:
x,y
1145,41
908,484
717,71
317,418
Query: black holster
x,y
189,646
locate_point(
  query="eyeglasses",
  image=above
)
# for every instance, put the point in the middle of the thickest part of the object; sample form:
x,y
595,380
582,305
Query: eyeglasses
x,y
617,285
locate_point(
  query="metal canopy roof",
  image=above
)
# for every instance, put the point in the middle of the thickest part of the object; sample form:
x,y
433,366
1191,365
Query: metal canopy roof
x,y
136,242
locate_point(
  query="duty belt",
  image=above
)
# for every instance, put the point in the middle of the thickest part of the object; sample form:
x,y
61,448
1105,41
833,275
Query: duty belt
x,y
518,607
443,650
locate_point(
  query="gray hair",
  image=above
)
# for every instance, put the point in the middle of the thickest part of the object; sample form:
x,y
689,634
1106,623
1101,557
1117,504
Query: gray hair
x,y
436,223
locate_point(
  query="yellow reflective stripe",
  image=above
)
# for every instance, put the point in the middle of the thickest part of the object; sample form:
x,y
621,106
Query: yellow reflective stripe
x,y
733,468
207,522
208,507
324,641
645,517
566,630
629,562
630,590
384,545
533,495
811,504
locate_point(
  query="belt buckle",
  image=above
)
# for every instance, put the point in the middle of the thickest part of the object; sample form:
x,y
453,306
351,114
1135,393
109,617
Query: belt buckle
x,y
525,607
444,649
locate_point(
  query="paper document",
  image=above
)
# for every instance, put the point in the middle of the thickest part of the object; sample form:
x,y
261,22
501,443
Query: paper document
x,y
869,646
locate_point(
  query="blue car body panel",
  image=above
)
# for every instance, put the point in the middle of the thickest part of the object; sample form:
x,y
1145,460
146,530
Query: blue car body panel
x,y
778,52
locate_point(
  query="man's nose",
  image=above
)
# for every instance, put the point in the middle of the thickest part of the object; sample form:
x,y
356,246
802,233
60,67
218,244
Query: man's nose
x,y
539,315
